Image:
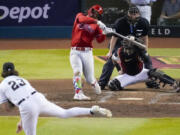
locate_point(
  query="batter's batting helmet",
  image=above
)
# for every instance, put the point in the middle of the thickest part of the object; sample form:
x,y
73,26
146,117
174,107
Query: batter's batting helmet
x,y
96,9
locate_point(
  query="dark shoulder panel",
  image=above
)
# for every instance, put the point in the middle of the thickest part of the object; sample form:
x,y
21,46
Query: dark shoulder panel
x,y
121,25
143,24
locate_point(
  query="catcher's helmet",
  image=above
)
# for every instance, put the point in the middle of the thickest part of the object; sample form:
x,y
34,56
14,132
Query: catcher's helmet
x,y
8,66
126,43
128,46
96,9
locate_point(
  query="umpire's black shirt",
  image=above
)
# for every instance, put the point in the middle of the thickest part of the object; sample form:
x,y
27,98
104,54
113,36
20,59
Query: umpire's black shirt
x,y
139,29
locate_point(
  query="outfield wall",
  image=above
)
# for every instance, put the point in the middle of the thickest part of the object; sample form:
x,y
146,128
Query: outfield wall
x,y
54,19
37,19
36,32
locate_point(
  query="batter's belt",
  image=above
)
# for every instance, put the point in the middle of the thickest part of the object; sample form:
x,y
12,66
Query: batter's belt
x,y
81,48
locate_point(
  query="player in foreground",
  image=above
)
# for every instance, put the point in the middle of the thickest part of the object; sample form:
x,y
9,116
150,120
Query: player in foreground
x,y
19,92
133,70
85,29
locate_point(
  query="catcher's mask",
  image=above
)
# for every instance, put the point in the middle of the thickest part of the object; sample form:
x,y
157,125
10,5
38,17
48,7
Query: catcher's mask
x,y
133,14
96,12
128,45
8,66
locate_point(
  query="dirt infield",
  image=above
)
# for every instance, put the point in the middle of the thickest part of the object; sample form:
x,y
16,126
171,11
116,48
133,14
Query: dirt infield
x,y
65,43
135,101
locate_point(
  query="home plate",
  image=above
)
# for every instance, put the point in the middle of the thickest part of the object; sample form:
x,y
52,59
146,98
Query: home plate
x,y
130,98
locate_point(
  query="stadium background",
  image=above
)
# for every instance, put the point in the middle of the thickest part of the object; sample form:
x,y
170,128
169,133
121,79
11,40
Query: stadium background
x,y
52,19
39,47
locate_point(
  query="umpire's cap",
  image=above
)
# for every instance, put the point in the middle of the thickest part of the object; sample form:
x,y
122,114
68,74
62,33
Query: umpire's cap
x,y
133,10
8,66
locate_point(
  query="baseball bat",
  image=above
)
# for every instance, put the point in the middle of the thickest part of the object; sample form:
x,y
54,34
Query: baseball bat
x,y
133,41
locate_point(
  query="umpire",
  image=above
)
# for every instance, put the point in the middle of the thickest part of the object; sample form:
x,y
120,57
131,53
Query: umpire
x,y
130,24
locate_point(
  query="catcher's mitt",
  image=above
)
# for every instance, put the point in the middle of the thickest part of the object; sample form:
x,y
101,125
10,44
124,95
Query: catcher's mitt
x,y
152,84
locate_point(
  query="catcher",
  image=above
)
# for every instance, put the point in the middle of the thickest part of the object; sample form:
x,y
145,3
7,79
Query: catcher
x,y
133,71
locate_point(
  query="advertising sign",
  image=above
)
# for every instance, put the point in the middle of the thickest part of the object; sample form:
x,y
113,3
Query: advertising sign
x,y
164,31
38,12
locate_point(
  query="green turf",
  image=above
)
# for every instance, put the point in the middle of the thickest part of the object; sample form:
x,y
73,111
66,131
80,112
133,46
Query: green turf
x,y
97,126
54,63
39,64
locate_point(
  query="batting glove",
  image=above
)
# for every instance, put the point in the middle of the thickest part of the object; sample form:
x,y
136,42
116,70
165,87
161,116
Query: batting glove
x,y
107,30
101,25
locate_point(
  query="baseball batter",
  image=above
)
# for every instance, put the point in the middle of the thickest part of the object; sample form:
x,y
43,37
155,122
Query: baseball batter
x,y
85,29
31,103
133,70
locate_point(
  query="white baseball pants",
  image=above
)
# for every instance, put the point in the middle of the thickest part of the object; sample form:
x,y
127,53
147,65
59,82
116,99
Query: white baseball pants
x,y
126,79
83,62
145,12
37,104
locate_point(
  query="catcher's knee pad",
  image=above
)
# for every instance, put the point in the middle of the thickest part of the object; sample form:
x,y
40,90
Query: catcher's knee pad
x,y
114,85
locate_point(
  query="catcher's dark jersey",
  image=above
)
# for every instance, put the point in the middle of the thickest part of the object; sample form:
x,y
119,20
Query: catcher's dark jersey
x,y
131,64
139,29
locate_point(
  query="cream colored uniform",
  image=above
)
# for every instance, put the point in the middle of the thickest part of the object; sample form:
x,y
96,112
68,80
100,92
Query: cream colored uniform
x,y
32,103
144,8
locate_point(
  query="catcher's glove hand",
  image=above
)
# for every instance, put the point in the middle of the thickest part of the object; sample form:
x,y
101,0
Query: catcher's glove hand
x,y
152,84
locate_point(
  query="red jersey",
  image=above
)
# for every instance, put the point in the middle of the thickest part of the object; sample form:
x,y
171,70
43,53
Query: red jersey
x,y
131,64
84,31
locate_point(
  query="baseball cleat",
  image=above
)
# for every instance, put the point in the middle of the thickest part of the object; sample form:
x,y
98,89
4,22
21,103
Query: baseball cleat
x,y
96,88
80,96
98,111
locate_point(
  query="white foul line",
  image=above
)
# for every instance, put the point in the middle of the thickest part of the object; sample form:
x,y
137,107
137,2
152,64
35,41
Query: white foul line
x,y
138,99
